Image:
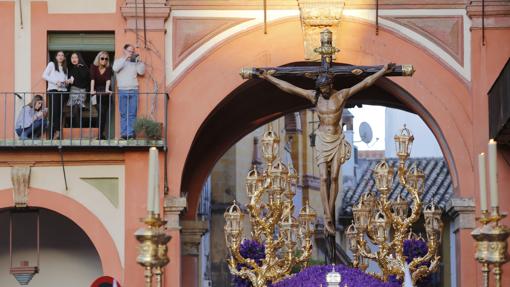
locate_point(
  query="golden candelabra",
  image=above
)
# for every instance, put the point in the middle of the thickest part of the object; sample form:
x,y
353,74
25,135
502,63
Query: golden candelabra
x,y
287,240
153,252
491,245
386,224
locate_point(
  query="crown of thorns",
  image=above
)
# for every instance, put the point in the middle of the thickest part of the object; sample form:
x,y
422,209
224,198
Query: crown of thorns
x,y
323,80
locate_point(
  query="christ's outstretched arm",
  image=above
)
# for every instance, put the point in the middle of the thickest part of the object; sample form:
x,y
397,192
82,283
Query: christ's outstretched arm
x,y
367,82
289,88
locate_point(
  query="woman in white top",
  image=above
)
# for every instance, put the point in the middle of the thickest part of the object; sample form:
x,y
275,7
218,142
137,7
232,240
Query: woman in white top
x,y
56,76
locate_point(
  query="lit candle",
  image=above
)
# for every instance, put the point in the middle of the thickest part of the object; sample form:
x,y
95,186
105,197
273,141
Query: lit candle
x,y
482,179
156,185
153,157
493,172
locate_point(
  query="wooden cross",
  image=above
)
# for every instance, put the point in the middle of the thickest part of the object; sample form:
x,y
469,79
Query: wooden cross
x,y
326,50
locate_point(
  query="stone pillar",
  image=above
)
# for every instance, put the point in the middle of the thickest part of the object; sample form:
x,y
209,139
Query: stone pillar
x,y
191,235
462,212
20,177
173,207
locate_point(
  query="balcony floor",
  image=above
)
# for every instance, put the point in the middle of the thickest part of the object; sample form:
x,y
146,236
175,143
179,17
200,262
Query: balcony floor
x,y
133,143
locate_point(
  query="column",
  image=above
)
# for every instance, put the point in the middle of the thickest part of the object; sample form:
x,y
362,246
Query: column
x,y
191,235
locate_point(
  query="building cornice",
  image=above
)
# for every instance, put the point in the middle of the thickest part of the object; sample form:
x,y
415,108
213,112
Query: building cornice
x,y
292,4
156,13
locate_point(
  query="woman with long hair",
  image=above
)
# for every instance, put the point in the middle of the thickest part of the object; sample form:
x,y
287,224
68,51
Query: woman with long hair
x,y
79,80
100,81
56,76
30,122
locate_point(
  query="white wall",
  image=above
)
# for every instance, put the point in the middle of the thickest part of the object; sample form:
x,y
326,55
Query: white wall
x,y
425,143
68,257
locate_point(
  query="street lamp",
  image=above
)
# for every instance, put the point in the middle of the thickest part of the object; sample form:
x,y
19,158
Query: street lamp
x,y
404,143
383,175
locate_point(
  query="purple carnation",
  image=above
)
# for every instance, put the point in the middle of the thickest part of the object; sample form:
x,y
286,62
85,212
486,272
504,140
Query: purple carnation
x,y
251,249
414,248
315,275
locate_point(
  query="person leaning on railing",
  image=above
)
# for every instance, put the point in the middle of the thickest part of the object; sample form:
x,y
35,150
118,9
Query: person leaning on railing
x,y
100,79
79,81
127,69
31,122
56,76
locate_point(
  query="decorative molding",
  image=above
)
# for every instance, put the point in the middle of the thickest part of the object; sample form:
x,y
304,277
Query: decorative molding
x,y
189,33
72,158
291,4
108,186
230,4
497,13
255,18
428,44
315,17
191,236
156,12
462,211
444,31
20,177
173,207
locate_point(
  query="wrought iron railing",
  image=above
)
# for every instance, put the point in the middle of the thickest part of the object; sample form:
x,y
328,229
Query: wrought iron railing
x,y
82,119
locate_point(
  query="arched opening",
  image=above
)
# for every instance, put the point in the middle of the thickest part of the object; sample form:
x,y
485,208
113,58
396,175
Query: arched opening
x,y
93,228
66,252
214,136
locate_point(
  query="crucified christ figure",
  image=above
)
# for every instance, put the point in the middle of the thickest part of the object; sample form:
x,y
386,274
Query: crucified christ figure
x,y
332,149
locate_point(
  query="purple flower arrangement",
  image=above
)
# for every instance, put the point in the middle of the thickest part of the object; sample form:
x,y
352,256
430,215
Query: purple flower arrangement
x,y
415,248
251,249
314,276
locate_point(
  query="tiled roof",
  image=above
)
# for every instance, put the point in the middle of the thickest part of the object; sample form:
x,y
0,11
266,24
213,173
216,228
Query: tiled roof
x,y
438,183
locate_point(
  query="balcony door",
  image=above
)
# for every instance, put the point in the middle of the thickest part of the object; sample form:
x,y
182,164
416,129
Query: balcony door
x,y
88,44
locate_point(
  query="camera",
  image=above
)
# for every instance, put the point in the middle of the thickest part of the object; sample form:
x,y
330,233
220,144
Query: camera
x,y
134,57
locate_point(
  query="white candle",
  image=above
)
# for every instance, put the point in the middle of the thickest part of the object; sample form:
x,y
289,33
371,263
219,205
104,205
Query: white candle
x,y
482,179
156,185
153,156
493,172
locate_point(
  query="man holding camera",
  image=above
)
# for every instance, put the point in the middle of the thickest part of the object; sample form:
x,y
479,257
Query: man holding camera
x,y
127,70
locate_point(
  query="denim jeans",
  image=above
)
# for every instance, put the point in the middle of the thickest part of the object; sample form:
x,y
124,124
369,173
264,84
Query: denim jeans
x,y
128,105
33,131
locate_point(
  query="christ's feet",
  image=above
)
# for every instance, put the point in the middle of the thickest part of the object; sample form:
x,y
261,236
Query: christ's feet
x,y
329,226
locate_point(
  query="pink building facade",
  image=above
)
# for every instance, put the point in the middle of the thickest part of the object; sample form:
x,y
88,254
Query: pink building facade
x,y
193,51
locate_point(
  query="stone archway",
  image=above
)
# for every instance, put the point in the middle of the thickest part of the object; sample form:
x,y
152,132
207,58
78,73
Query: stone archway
x,y
82,217
436,93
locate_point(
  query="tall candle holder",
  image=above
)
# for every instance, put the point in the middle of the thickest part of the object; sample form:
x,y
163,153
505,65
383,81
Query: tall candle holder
x,y
491,245
491,236
153,252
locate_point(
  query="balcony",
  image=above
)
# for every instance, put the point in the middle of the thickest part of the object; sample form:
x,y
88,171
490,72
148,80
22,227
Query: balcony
x,y
39,120
499,107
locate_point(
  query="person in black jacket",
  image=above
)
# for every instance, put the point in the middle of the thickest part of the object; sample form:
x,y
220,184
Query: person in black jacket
x,y
79,79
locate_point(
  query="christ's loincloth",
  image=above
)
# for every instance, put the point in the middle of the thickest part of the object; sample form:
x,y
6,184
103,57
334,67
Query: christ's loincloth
x,y
332,148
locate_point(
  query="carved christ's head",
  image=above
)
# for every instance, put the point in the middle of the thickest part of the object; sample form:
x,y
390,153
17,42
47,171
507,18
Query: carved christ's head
x,y
324,85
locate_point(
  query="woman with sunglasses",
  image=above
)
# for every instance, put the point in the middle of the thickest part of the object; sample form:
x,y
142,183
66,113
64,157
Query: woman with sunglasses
x,y
100,81
56,76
